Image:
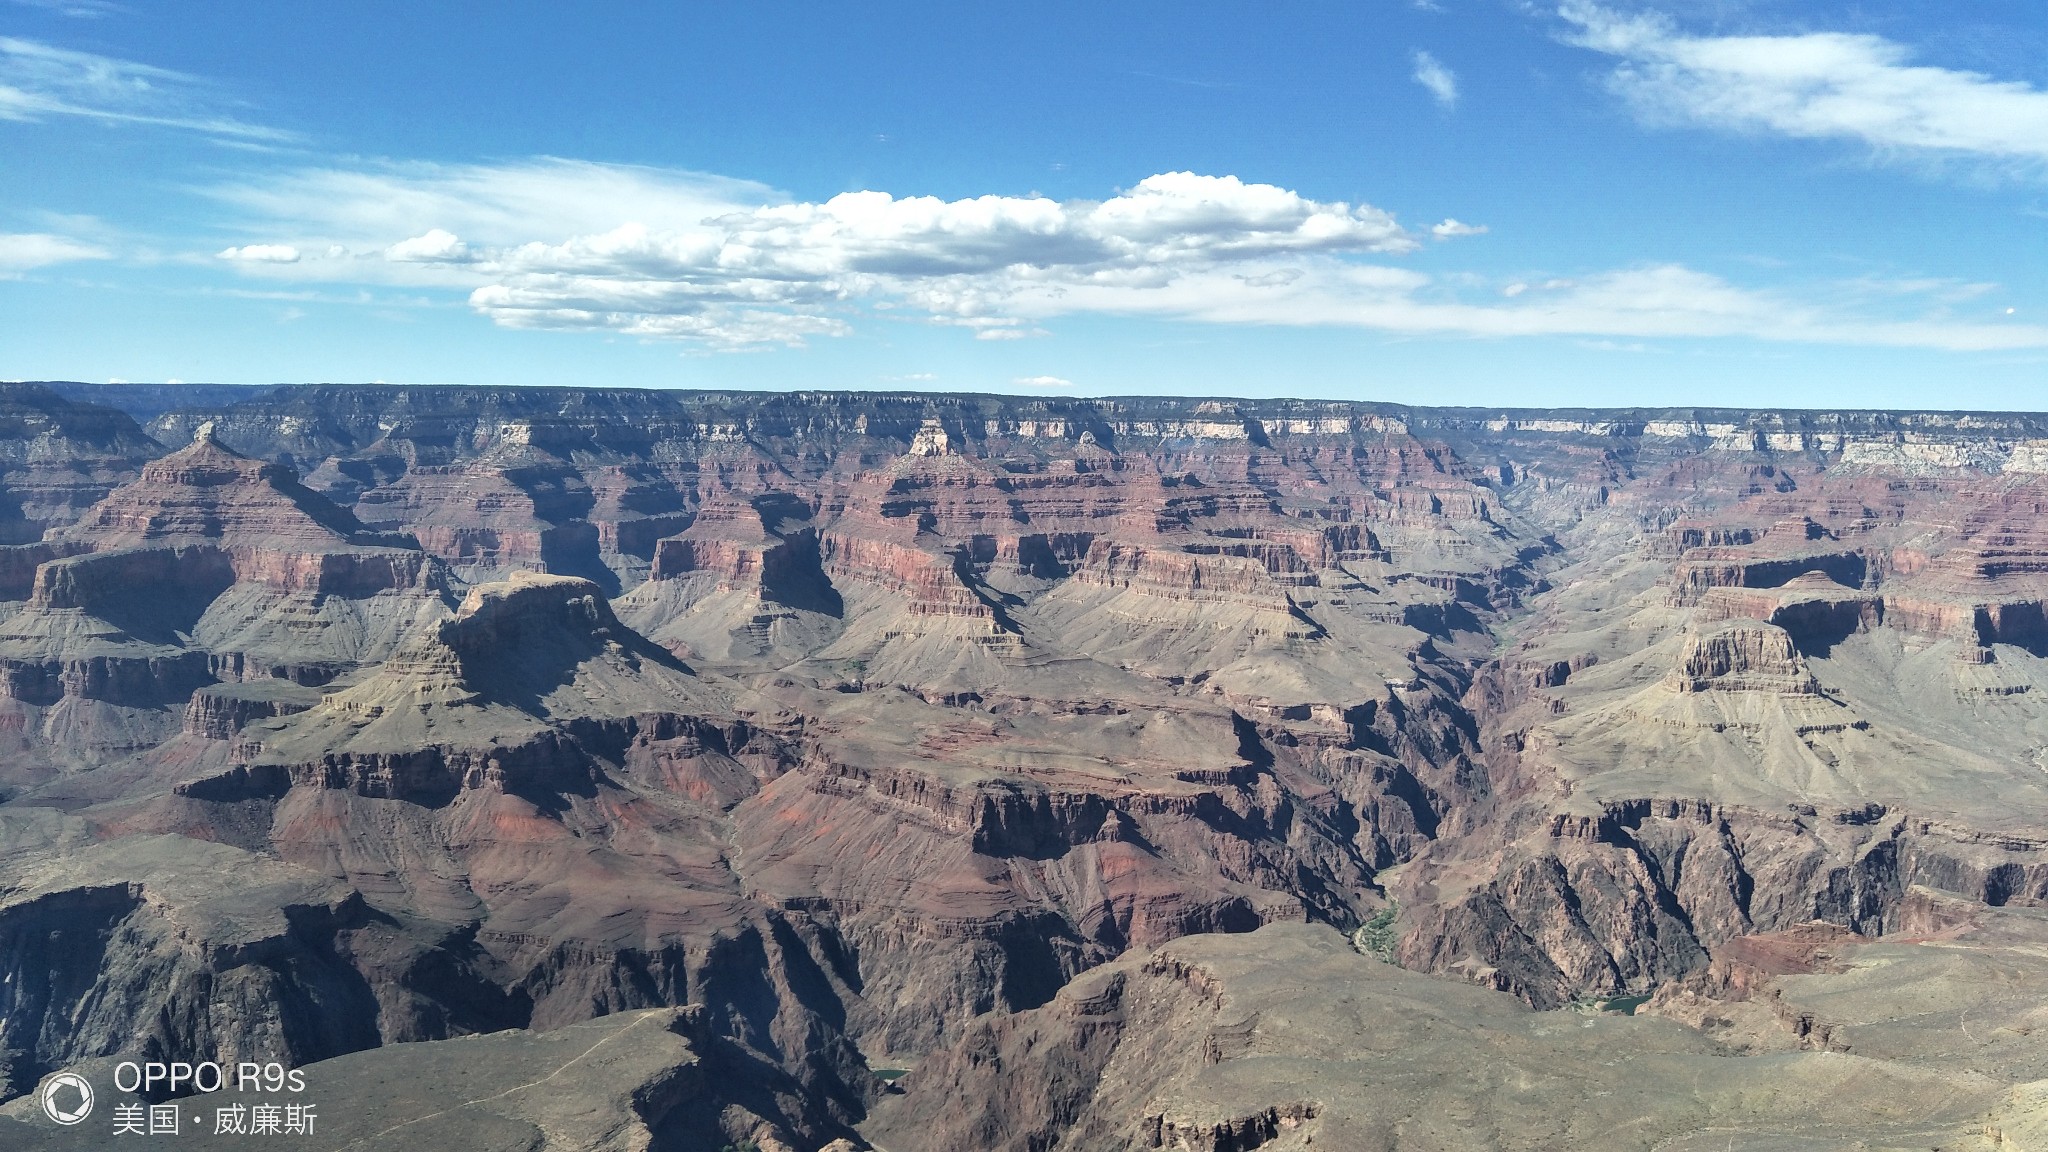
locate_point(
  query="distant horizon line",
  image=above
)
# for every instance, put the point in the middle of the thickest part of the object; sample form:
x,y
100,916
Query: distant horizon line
x,y
1062,397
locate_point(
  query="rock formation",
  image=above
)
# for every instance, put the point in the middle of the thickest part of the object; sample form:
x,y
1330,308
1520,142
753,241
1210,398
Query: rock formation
x,y
1288,1039
1047,747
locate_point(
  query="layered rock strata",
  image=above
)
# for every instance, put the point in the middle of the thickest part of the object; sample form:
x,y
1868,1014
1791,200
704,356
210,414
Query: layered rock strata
x,y
868,724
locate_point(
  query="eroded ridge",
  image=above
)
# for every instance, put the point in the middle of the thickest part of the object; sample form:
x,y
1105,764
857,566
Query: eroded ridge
x,y
919,732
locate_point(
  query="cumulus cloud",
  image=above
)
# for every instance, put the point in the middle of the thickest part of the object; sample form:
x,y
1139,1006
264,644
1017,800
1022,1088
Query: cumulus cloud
x,y
696,260
21,251
1042,382
261,254
1451,229
436,246
721,263
1441,82
961,261
39,81
1821,84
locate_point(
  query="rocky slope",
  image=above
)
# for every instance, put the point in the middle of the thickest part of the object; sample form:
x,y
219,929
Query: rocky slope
x,y
1287,1039
888,729
628,1082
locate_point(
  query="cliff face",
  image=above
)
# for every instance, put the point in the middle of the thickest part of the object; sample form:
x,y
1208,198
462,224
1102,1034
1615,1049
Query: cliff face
x,y
60,458
855,718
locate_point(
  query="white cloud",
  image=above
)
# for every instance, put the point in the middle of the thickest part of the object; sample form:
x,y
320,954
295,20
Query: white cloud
x,y
436,246
683,256
956,260
1441,82
652,318
39,81
1042,382
79,9
1451,229
727,262
1672,301
21,251
987,327
372,207
261,254
1821,84
1662,301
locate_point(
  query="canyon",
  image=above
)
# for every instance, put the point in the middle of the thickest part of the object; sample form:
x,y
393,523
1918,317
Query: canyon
x,y
605,768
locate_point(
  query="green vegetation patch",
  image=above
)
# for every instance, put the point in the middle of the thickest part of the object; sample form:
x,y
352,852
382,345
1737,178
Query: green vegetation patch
x,y
1376,937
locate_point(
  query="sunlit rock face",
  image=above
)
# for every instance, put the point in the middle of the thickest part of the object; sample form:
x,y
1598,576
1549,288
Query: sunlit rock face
x,y
894,731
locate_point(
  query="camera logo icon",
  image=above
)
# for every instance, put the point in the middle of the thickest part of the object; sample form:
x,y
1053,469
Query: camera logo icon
x,y
67,1098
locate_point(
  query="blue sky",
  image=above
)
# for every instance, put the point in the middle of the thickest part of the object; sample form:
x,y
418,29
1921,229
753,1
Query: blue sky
x,y
1460,201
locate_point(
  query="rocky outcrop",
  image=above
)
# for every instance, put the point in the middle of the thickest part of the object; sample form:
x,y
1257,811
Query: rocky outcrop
x,y
134,949
221,711
767,546
89,632
207,491
20,562
58,457
1743,657
517,689
210,566
1704,568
